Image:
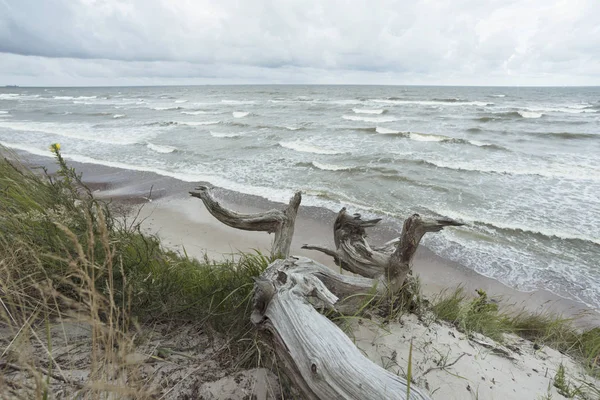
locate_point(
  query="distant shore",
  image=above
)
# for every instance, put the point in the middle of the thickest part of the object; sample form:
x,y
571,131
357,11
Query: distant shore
x,y
183,222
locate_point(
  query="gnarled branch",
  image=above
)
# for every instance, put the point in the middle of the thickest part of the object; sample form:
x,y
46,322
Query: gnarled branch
x,y
280,222
392,261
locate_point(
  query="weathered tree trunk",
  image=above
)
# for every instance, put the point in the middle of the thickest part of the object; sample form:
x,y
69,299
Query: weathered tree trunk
x,y
273,221
392,261
319,358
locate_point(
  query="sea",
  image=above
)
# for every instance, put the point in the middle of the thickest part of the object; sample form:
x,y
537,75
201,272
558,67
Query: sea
x,y
520,166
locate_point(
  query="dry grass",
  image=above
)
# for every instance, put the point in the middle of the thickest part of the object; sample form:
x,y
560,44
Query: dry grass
x,y
66,264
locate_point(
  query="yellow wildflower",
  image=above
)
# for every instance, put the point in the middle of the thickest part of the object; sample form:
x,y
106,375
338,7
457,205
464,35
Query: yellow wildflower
x,y
55,147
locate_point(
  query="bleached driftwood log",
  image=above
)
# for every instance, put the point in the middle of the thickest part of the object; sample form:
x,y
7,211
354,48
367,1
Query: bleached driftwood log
x,y
319,358
280,222
392,260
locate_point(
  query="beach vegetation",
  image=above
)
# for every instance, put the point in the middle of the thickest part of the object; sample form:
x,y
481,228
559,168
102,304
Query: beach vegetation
x,y
479,314
66,259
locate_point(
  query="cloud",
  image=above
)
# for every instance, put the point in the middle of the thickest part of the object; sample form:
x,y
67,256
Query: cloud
x,y
385,41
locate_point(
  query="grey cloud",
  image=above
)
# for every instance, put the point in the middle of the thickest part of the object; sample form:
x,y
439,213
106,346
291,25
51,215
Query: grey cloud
x,y
419,41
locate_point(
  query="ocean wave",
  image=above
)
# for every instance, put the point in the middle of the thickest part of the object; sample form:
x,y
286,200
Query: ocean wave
x,y
238,102
161,148
552,172
330,167
86,97
226,134
9,96
307,148
367,111
424,137
161,123
180,101
386,131
195,112
474,130
566,135
3,112
118,116
63,97
512,228
167,108
447,102
498,95
294,128
569,109
240,114
369,119
451,100
509,115
199,123
530,114
73,131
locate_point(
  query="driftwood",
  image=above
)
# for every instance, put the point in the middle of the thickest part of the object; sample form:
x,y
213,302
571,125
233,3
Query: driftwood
x,y
317,356
392,261
280,222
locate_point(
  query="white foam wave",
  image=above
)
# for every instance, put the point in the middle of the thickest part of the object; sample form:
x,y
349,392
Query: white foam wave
x,y
194,112
530,114
166,108
76,131
117,116
434,102
548,171
238,102
498,95
369,119
420,137
570,109
3,112
63,97
199,123
366,111
161,148
329,167
225,134
515,227
343,102
385,131
292,128
87,97
8,96
240,114
306,148
180,101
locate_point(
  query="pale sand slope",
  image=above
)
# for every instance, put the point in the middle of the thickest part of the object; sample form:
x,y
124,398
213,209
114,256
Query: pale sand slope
x,y
480,373
485,370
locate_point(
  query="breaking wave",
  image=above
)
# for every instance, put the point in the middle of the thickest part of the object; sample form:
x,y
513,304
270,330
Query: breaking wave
x,y
369,119
307,148
367,111
161,148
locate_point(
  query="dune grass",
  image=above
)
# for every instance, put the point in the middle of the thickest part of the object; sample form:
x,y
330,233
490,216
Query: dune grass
x,y
64,257
482,316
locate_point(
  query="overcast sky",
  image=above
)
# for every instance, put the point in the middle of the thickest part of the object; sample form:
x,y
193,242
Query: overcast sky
x,y
451,42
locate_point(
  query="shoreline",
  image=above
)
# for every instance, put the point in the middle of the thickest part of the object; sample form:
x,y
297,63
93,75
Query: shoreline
x,y
184,222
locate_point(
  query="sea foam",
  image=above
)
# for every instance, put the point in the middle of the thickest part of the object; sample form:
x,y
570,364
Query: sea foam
x,y
307,148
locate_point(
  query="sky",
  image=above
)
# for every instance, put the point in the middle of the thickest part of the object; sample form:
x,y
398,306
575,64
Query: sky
x,y
400,42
